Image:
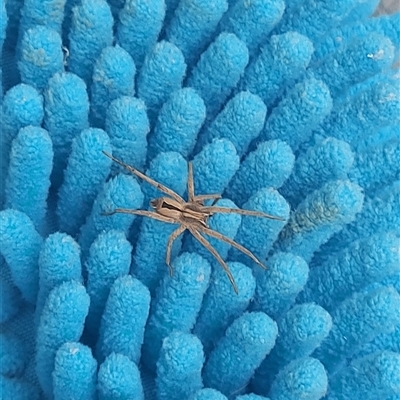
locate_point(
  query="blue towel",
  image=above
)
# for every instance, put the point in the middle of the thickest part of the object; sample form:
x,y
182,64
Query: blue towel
x,y
291,108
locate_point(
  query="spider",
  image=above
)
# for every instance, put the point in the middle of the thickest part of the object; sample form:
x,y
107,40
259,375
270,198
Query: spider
x,y
191,215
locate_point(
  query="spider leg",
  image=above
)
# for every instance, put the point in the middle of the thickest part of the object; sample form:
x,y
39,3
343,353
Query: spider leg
x,y
204,197
238,246
190,189
190,183
142,213
224,210
174,235
141,175
214,252
215,201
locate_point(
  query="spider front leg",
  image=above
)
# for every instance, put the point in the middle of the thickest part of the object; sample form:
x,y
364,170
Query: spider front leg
x,y
203,197
162,188
143,213
174,235
190,189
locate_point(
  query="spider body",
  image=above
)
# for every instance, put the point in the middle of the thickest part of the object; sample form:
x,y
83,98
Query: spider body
x,y
191,215
184,213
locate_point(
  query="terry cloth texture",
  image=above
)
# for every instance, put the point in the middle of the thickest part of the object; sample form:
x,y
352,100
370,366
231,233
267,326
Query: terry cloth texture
x,y
287,107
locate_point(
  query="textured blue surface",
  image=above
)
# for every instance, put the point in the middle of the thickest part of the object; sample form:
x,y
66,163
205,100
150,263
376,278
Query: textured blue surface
x,y
215,166
259,234
12,355
3,23
323,213
218,71
251,396
127,126
119,378
380,213
66,105
126,293
122,191
252,21
109,258
365,316
361,11
240,121
305,105
62,320
176,303
90,32
363,110
37,12
342,35
378,166
221,305
162,72
21,106
193,25
281,60
28,180
249,338
75,201
303,377
267,166
328,160
178,123
291,109
75,372
301,331
362,263
41,56
354,63
179,366
382,370
139,24
315,18
18,389
208,394
20,247
113,76
277,289
59,261
10,300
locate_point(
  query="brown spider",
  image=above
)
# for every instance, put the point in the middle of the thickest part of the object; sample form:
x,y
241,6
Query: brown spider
x,y
191,215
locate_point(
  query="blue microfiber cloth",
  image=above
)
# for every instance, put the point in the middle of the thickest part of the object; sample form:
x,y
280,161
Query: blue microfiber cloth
x,y
289,107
